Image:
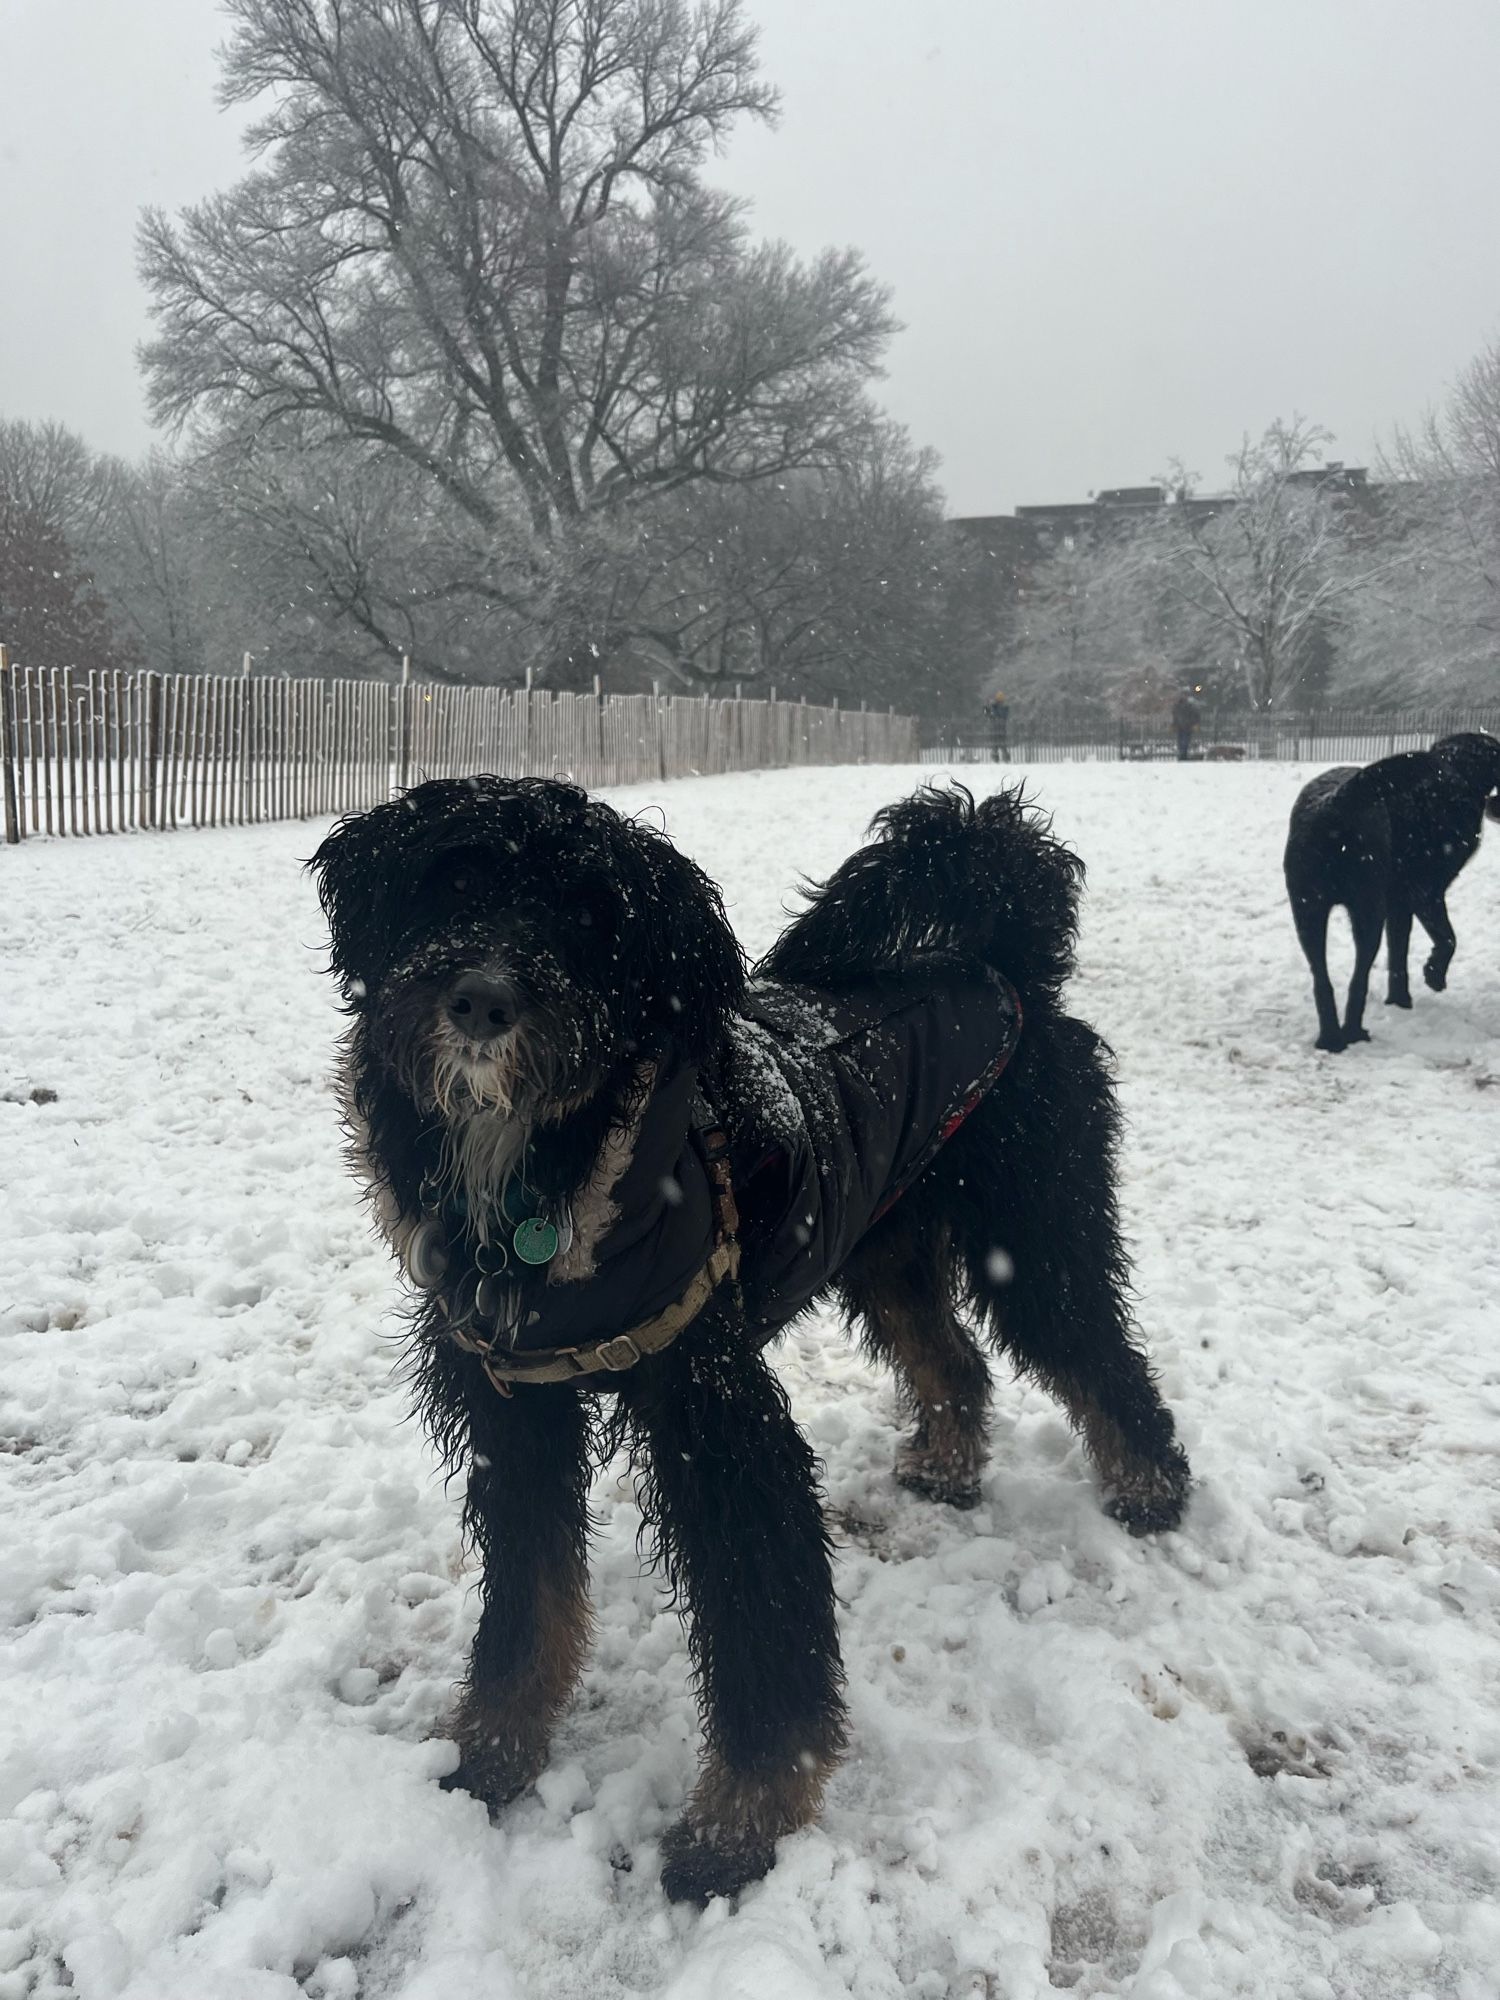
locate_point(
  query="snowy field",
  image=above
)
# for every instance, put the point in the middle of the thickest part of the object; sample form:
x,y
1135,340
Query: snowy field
x,y
1259,1757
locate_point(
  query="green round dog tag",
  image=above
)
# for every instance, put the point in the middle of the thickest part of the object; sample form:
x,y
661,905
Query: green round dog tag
x,y
535,1241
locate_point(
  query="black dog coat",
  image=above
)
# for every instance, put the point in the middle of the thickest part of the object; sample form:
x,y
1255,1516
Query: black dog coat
x,y
834,1103
856,1092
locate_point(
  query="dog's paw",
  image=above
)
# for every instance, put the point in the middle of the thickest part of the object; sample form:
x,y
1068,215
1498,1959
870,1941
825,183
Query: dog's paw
x,y
694,1870
921,1471
1155,1503
1330,1044
1144,1517
1436,978
1401,999
932,1486
1353,1035
492,1777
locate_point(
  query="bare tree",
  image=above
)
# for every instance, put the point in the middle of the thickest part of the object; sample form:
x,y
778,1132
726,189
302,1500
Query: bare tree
x,y
478,244
50,613
843,584
1463,438
59,507
1262,571
146,557
1438,632
48,471
328,559
1081,632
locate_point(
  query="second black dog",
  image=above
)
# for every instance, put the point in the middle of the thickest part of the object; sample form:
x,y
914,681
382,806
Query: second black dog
x,y
1385,842
613,1171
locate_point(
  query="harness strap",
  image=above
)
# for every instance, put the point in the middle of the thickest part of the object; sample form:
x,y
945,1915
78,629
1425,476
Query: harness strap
x,y
613,1356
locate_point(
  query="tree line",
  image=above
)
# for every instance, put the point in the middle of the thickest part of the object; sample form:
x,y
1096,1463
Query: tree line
x,y
1300,585
476,366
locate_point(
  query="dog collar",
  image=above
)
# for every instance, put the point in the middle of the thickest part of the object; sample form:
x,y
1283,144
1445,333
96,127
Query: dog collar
x,y
505,1366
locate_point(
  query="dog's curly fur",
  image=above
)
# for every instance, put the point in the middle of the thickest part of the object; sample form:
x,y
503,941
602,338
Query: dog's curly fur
x,y
620,959
1386,841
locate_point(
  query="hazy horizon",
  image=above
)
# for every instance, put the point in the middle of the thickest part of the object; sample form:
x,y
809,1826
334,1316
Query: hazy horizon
x,y
1116,236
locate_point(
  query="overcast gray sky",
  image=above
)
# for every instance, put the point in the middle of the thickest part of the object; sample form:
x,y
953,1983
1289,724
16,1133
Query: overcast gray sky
x,y
1119,231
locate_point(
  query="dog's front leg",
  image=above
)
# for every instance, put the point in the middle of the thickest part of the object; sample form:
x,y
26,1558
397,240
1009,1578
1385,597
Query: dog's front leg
x,y
1432,915
1367,917
527,1516
1311,919
1397,945
730,1486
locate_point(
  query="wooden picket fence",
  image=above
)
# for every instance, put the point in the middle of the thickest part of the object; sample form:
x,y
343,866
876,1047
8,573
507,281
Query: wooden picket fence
x,y
86,753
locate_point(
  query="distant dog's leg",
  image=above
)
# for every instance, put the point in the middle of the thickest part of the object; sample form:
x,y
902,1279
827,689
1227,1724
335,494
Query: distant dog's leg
x,y
527,1515
1397,944
897,1285
1312,933
730,1486
1031,1174
1433,917
1367,916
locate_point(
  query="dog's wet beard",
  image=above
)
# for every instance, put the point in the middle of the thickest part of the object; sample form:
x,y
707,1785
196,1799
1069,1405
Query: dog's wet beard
x,y
480,1153
488,1100
515,1077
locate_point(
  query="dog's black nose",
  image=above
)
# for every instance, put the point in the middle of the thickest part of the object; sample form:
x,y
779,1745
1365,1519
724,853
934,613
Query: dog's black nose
x,y
482,1006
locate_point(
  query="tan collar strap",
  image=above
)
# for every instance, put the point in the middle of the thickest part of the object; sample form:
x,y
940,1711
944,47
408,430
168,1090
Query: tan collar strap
x,y
505,1366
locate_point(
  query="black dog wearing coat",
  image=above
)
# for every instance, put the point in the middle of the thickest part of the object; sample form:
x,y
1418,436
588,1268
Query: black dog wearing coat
x,y
1385,842
613,1169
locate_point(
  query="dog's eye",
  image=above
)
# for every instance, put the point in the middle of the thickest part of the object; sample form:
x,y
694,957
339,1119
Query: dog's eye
x,y
592,909
458,874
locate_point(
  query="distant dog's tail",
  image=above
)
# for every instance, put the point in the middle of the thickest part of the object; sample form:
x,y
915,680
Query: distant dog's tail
x,y
945,874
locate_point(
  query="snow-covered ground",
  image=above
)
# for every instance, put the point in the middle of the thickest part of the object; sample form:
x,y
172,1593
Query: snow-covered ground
x,y
1259,1757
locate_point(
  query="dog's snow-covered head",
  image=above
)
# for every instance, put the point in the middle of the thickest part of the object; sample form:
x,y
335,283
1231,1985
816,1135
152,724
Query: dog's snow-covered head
x,y
507,945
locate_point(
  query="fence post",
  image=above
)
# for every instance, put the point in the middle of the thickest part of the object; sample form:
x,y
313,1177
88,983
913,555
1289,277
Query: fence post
x,y
247,747
8,753
403,725
239,722
151,749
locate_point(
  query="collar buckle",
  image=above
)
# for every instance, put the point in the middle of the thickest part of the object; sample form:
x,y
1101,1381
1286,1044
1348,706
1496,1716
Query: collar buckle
x,y
618,1354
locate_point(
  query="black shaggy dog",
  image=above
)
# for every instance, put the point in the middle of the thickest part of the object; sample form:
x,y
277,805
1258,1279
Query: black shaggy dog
x,y
614,1168
1385,842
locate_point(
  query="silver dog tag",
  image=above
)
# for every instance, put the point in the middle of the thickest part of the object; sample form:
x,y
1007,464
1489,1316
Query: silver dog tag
x,y
427,1257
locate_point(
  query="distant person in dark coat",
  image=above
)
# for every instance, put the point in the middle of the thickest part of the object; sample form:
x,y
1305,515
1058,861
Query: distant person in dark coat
x,y
997,708
1185,720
